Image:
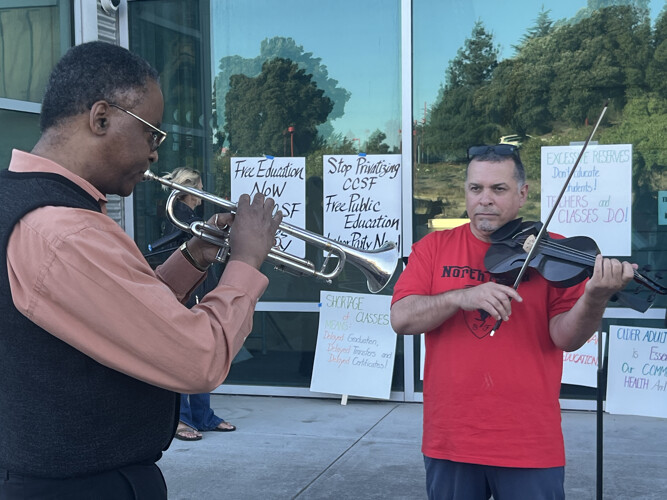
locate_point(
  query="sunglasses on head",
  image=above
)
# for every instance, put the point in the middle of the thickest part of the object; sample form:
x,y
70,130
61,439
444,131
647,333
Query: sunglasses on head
x,y
499,149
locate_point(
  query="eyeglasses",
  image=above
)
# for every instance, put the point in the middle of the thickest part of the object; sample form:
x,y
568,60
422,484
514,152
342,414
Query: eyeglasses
x,y
499,149
157,136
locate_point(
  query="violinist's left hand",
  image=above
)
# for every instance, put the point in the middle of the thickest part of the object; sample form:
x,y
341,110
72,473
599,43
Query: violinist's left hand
x,y
609,277
571,329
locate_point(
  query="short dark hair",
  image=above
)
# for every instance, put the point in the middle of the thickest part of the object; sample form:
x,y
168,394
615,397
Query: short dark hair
x,y
519,170
88,73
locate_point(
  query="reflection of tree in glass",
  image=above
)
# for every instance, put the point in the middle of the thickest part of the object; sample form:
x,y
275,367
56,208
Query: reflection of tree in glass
x,y
260,111
555,84
285,48
376,144
455,124
552,89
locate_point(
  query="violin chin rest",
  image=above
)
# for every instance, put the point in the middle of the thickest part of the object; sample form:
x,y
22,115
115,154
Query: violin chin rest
x,y
506,231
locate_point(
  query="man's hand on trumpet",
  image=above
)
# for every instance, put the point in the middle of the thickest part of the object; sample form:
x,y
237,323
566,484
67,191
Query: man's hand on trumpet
x,y
252,232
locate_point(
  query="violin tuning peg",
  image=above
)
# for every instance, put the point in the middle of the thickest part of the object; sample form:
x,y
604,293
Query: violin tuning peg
x,y
647,268
658,275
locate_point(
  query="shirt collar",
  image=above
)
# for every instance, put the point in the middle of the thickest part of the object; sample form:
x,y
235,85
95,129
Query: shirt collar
x,y
27,162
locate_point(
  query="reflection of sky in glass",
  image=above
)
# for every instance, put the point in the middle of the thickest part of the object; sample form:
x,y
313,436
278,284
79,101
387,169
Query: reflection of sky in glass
x,y
442,26
359,40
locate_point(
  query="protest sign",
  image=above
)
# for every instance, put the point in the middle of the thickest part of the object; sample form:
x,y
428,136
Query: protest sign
x,y
580,367
637,378
362,199
597,201
282,179
355,345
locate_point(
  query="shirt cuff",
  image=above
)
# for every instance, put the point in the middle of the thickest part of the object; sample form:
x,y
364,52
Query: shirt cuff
x,y
179,274
244,277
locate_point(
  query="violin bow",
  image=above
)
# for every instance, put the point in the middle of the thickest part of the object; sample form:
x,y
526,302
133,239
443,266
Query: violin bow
x,y
543,230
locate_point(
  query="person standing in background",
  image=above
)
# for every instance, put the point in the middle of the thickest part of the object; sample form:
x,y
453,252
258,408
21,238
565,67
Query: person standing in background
x,y
196,414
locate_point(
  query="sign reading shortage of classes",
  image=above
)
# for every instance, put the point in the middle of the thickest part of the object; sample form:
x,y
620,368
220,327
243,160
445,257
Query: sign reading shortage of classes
x,y
355,345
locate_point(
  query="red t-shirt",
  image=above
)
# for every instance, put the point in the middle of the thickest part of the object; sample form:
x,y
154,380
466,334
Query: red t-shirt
x,y
488,400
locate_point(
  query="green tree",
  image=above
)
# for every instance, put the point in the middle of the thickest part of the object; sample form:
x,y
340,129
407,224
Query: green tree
x,y
375,143
456,121
286,48
643,124
656,73
543,26
600,58
475,61
260,110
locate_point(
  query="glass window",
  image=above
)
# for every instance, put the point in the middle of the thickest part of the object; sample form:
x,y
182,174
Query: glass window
x,y
169,34
538,75
222,65
23,133
33,36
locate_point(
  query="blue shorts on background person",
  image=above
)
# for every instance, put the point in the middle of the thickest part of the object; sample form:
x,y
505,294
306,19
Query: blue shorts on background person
x,y
196,414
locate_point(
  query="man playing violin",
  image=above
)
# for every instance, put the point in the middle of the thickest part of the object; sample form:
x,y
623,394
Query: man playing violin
x,y
94,345
492,420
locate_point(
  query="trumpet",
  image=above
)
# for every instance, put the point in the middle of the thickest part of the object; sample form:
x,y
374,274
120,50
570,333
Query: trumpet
x,y
377,265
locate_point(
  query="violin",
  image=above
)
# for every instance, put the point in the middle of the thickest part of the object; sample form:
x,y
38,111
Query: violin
x,y
562,262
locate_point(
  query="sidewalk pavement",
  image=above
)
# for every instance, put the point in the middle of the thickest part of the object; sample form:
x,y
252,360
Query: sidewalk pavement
x,y
306,449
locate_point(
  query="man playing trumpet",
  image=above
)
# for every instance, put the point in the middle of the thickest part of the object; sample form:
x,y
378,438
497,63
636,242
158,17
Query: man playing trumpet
x,y
93,340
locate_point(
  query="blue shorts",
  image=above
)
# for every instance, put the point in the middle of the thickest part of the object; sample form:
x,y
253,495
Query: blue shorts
x,y
447,480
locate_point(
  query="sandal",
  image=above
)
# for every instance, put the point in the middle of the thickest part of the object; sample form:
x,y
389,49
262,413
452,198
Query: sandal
x,y
231,427
186,433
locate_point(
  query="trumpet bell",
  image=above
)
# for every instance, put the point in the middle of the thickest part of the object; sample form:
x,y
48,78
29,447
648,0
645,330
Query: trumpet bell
x,y
377,266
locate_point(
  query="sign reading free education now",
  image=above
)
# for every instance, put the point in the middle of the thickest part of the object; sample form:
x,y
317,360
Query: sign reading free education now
x,y
597,201
355,345
284,180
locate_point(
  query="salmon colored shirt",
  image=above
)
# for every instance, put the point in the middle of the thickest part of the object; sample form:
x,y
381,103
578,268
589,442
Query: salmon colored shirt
x,y
79,276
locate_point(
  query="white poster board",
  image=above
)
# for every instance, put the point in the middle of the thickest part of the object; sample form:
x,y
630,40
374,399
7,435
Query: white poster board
x,y
598,199
637,377
355,345
422,358
284,180
580,367
662,208
362,199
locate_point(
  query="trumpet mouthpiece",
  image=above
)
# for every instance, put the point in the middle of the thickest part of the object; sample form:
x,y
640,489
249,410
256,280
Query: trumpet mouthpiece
x,y
149,176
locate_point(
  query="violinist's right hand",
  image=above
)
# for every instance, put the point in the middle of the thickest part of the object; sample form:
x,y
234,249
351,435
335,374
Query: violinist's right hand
x,y
416,314
494,298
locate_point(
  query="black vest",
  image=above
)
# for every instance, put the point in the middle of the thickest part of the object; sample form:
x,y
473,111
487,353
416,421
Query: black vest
x,y
63,414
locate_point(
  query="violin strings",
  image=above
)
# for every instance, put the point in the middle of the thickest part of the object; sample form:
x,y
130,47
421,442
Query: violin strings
x,y
572,251
591,259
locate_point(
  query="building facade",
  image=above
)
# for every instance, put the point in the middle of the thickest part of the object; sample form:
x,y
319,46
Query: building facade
x,y
421,79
